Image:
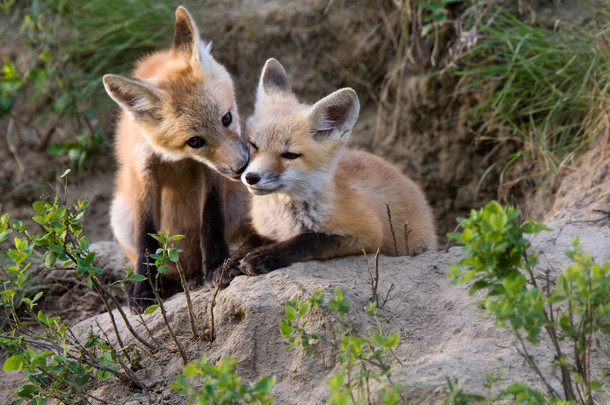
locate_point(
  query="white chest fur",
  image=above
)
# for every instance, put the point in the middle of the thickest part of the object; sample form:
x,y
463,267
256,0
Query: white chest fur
x,y
280,217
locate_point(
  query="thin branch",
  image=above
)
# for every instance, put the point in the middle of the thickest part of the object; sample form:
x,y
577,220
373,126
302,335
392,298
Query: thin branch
x,y
407,231
99,285
162,308
212,335
387,206
109,310
187,296
534,366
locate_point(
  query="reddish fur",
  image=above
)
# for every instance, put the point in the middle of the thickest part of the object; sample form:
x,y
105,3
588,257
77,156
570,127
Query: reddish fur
x,y
159,174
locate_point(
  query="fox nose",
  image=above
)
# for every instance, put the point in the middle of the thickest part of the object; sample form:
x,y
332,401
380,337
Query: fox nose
x,y
252,178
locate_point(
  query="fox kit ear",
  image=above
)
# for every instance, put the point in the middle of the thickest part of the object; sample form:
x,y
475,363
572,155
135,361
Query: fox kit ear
x,y
335,114
187,45
273,79
133,95
186,36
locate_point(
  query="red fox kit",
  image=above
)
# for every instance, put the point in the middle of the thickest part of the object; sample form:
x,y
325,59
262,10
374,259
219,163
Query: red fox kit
x,y
313,198
178,133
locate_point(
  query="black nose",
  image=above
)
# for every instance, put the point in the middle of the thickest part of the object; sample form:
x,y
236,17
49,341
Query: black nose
x,y
252,178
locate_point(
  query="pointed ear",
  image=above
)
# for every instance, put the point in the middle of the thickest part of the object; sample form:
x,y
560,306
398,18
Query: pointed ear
x,y
273,79
186,35
133,95
335,114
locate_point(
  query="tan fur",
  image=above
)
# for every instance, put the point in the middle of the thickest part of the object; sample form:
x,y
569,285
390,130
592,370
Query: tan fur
x,y
327,189
174,96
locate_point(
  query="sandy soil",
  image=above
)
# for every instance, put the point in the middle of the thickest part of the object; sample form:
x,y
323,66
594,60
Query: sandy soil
x,y
444,333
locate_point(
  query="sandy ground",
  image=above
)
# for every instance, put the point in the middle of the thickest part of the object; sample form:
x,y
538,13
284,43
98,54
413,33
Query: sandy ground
x,y
444,333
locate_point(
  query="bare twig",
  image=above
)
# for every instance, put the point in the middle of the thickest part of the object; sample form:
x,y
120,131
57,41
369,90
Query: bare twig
x,y
528,358
449,241
109,310
374,279
387,206
122,313
128,371
143,323
163,314
187,296
212,335
407,231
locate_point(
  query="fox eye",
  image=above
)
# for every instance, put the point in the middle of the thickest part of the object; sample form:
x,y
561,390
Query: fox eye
x,y
195,142
253,145
227,119
290,155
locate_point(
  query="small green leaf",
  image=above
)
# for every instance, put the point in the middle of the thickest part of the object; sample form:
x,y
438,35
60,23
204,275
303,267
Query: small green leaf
x,y
13,363
290,310
136,278
151,309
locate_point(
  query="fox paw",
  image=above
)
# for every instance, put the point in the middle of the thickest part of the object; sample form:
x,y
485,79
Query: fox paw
x,y
261,262
223,280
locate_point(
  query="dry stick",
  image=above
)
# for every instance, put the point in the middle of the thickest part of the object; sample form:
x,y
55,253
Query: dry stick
x,y
449,241
129,376
187,295
387,206
528,359
99,285
374,280
387,297
109,310
566,379
162,308
212,336
150,335
407,231
123,315
128,370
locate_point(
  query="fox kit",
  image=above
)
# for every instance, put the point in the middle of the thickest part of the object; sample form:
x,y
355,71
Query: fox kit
x,y
313,198
177,139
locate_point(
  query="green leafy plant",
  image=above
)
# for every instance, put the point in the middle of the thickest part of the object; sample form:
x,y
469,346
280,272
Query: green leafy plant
x,y
524,300
71,45
547,88
56,362
362,360
218,384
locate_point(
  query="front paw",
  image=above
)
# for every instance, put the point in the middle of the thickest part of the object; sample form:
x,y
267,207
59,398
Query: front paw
x,y
224,274
261,262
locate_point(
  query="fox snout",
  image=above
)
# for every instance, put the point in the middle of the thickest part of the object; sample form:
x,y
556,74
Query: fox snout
x,y
252,178
261,183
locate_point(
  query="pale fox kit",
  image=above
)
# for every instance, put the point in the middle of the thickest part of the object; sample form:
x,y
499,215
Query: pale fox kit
x,y
313,198
177,140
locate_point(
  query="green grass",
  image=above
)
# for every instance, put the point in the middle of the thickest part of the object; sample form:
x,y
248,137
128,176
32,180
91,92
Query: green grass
x,y
548,89
70,45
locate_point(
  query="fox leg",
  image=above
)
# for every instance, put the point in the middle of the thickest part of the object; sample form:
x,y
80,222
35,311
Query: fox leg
x,y
303,247
214,247
253,242
142,296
